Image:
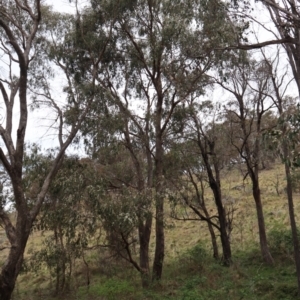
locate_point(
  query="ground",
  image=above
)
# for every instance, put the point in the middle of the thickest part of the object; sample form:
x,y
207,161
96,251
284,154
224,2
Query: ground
x,y
190,272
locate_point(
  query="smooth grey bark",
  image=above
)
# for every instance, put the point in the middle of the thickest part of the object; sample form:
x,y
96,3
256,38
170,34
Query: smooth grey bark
x,y
21,38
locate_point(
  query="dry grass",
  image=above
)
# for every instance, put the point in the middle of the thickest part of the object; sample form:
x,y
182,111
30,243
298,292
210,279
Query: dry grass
x,y
183,235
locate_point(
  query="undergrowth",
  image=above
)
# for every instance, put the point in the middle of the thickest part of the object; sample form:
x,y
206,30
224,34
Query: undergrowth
x,y
195,275
190,272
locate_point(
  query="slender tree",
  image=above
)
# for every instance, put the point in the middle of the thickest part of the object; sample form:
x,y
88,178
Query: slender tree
x,y
207,143
187,186
245,115
153,70
286,140
25,48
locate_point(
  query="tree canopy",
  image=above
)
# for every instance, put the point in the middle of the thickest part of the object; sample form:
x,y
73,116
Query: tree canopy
x,y
164,96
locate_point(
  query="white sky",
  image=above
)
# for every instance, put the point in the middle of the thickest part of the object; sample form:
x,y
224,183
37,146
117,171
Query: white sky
x,y
66,5
261,35
39,128
38,124
62,5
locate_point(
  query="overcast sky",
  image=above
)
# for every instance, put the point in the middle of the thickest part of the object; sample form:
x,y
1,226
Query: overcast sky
x,y
62,5
40,120
40,123
66,5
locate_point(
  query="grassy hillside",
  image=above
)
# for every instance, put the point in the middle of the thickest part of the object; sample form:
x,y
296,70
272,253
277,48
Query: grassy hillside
x,y
190,272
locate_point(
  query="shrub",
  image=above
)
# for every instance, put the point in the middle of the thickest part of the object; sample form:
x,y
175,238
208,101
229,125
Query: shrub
x,y
112,288
281,242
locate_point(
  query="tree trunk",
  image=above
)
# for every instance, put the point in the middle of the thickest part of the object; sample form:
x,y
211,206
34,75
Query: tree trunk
x,y
144,236
212,234
215,185
159,210
213,241
252,160
289,190
227,259
9,274
57,266
158,175
267,257
12,267
226,247
160,239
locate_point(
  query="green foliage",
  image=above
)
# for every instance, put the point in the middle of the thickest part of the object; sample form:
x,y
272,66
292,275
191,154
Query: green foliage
x,y
281,241
197,254
150,50
193,260
191,290
195,275
287,130
56,258
286,291
36,166
120,216
68,214
111,289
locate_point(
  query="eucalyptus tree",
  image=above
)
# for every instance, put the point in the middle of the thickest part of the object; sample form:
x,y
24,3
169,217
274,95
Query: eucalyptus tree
x,y
155,74
25,41
285,135
250,89
127,210
286,16
67,215
163,50
119,143
187,189
207,137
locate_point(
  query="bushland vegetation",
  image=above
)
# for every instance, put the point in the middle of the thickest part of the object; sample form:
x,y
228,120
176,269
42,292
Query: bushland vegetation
x,y
180,193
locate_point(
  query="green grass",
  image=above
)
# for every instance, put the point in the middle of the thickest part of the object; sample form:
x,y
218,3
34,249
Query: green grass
x,y
193,275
